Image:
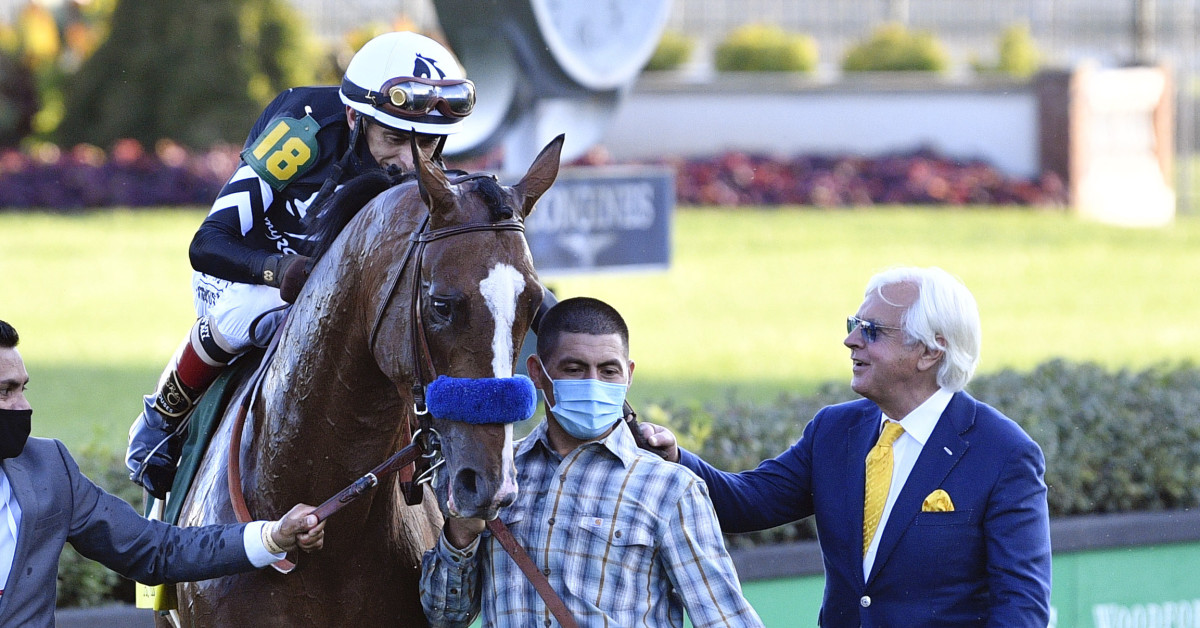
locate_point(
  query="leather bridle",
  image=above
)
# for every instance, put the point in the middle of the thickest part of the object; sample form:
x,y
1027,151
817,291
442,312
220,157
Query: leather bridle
x,y
423,446
423,369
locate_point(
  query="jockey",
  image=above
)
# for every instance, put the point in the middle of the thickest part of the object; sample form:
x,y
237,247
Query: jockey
x,y
249,253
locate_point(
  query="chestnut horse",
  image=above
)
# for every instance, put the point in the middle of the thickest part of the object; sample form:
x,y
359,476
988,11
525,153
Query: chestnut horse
x,y
337,398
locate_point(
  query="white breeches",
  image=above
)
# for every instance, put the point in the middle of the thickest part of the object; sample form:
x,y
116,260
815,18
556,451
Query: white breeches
x,y
234,307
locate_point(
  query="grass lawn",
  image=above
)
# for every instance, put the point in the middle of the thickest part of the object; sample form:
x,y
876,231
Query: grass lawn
x,y
755,301
758,300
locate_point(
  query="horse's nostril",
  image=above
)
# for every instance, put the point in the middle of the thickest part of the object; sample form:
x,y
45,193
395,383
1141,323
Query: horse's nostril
x,y
466,482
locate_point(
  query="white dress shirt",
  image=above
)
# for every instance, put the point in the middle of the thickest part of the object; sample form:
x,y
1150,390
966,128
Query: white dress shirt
x,y
10,522
918,425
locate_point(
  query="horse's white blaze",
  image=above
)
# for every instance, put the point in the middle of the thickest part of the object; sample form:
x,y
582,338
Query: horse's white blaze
x,y
508,470
500,290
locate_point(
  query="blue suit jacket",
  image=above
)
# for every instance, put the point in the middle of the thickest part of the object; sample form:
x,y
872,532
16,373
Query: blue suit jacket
x,y
59,504
987,563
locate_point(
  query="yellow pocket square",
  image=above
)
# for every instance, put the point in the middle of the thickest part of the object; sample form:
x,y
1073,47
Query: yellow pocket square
x,y
938,501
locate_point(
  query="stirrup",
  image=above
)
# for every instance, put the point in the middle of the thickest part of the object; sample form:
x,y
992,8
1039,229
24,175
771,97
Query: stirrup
x,y
153,467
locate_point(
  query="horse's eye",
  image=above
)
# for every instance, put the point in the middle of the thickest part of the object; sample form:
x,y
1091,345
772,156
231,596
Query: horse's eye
x,y
442,308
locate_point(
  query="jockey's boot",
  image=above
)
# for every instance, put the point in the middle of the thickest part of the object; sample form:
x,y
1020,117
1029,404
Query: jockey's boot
x,y
156,436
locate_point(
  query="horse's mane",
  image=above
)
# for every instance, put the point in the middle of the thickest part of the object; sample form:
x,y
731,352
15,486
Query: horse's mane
x,y
335,213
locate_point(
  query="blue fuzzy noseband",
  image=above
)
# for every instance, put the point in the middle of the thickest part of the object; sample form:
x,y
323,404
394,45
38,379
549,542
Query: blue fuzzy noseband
x,y
485,400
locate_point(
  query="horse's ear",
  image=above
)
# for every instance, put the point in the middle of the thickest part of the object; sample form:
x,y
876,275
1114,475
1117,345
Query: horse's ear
x,y
435,188
540,176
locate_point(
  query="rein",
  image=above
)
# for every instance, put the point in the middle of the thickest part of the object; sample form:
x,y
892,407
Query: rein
x,y
419,447
237,499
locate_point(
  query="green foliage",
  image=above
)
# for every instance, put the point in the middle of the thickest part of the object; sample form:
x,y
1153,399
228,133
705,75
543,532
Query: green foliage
x,y
1114,441
284,56
766,48
18,100
197,73
674,49
1018,55
83,582
50,43
893,48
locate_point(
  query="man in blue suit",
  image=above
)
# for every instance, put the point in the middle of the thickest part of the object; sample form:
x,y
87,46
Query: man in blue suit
x,y
963,534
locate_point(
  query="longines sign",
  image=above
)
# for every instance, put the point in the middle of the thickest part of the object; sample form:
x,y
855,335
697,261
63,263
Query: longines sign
x,y
598,218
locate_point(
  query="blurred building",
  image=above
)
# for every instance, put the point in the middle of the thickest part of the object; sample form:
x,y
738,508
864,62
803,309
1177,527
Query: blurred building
x,y
1067,32
1110,31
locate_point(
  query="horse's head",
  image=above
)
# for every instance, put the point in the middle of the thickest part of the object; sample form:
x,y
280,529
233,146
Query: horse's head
x,y
471,303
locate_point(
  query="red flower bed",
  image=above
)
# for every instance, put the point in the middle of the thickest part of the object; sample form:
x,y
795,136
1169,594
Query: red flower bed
x,y
918,178
129,176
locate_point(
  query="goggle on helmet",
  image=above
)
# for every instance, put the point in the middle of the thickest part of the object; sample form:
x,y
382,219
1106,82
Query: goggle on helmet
x,y
410,83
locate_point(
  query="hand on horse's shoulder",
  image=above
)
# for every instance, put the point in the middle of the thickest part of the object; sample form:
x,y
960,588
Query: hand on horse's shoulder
x,y
300,528
462,532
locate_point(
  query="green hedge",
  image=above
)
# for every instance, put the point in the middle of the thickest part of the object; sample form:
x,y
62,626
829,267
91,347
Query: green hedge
x,y
893,48
1017,54
1114,441
673,50
766,48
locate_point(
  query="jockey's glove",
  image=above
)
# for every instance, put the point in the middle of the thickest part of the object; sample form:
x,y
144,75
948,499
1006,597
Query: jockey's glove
x,y
288,272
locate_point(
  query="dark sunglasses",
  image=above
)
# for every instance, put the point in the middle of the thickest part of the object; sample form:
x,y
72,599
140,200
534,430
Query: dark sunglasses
x,y
870,331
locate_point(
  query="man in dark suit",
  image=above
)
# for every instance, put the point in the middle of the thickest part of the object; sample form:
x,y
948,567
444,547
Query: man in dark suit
x,y
941,520
45,501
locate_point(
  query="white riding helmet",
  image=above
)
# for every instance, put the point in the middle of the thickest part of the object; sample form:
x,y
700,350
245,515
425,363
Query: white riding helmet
x,y
408,82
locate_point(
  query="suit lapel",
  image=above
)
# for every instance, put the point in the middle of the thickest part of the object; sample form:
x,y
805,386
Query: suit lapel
x,y
940,454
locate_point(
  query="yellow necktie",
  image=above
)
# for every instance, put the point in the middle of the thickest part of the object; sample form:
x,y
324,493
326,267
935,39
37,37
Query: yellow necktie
x,y
879,480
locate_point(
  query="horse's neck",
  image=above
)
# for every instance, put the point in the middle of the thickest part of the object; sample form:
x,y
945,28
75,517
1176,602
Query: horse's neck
x,y
326,409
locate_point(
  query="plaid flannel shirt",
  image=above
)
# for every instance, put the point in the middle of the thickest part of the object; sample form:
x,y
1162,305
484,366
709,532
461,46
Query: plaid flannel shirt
x,y
625,538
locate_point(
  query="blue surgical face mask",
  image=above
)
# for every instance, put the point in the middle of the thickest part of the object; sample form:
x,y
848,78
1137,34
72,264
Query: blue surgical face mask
x,y
586,408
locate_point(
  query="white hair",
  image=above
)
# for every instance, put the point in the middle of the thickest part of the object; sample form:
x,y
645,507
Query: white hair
x,y
944,317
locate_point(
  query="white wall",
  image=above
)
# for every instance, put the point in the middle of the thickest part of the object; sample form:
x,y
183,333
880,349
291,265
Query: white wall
x,y
996,122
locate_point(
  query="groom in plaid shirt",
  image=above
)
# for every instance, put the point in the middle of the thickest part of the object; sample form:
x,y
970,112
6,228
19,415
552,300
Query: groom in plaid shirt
x,y
624,537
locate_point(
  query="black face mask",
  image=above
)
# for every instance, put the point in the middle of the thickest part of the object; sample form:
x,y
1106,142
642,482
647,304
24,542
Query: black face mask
x,y
14,431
